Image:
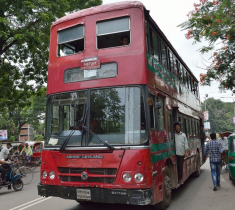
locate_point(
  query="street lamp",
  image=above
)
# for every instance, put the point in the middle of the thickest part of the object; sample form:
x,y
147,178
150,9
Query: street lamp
x,y
233,102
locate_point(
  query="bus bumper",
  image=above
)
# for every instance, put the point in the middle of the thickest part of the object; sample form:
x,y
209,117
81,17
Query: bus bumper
x,y
100,195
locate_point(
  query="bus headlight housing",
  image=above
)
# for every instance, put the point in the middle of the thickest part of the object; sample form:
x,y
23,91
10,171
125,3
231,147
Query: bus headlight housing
x,y
44,174
51,174
126,177
139,177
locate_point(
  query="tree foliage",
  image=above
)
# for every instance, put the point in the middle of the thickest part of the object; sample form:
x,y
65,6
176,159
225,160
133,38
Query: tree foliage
x,y
214,21
31,114
24,41
220,114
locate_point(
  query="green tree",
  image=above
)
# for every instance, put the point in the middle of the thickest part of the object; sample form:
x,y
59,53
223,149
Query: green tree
x,y
214,21
220,114
32,113
24,44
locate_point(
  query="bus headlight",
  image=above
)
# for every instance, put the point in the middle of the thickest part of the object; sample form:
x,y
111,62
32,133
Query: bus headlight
x,y
139,177
51,174
126,177
44,174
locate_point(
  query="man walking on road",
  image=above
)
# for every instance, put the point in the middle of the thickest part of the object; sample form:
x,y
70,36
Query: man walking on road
x,y
215,150
181,144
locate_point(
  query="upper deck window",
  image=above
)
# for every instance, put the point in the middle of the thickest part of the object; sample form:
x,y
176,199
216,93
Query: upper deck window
x,y
113,32
71,40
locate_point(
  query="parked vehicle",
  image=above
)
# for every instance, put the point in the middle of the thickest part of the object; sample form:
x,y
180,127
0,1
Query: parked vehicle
x,y
231,156
37,150
12,179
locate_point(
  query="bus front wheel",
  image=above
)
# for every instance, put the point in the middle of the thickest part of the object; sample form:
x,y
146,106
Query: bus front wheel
x,y
166,192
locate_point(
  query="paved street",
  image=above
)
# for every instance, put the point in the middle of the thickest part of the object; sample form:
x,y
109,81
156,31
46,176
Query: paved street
x,y
195,194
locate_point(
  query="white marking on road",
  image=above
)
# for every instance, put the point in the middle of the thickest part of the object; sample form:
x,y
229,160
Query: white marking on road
x,y
34,203
26,203
222,178
41,199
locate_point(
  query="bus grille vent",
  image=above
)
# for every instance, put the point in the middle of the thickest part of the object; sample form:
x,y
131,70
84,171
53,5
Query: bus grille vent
x,y
64,175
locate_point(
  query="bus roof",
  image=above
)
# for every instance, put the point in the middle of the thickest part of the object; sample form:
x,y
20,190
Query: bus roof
x,y
100,9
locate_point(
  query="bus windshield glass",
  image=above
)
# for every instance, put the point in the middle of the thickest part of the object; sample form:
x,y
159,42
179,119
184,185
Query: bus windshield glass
x,y
116,115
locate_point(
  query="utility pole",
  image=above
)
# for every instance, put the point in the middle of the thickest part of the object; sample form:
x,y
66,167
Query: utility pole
x,y
205,100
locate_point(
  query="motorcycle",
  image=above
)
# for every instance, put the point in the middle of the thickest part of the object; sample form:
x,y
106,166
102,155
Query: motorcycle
x,y
12,179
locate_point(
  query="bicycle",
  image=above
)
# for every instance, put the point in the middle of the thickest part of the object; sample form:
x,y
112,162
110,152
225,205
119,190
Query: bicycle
x,y
24,171
23,162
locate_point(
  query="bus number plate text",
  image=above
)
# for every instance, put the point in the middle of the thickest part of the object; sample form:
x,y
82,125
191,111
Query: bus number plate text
x,y
83,194
88,65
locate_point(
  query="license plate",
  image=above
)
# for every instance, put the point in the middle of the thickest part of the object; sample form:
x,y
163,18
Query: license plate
x,y
83,194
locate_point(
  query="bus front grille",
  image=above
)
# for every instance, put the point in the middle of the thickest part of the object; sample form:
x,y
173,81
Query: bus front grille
x,y
95,175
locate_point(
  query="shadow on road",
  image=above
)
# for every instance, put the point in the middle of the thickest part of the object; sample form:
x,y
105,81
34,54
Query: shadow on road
x,y
100,206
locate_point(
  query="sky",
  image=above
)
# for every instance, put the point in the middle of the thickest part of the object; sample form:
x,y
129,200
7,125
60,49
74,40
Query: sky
x,y
168,14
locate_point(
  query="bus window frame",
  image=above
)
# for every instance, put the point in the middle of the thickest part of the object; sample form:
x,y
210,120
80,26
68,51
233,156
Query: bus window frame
x,y
61,29
153,110
170,56
163,111
103,20
170,118
86,135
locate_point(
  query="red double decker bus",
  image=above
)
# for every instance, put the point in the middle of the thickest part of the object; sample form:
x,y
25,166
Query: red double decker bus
x,y
115,87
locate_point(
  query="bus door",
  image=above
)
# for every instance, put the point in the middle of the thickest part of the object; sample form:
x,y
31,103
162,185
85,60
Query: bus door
x,y
175,118
171,132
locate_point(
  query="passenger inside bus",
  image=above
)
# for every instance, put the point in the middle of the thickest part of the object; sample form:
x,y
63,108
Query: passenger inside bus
x,y
125,40
93,126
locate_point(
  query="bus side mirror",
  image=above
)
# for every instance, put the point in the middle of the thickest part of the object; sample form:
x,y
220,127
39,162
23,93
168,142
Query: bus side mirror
x,y
158,105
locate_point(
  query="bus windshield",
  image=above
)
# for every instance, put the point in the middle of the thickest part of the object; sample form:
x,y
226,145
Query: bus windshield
x,y
116,115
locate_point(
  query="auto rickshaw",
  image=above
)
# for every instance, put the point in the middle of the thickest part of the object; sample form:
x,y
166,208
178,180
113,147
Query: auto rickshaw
x,y
231,156
227,133
37,150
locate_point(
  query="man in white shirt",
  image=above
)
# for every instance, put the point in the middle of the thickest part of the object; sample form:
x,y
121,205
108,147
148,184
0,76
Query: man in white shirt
x,y
181,144
4,154
224,142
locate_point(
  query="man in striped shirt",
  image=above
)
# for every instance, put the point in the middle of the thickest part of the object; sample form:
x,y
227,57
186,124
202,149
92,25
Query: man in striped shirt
x,y
215,149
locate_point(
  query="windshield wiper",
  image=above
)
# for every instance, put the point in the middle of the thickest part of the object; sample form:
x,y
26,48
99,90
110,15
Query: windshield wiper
x,y
91,132
72,132
101,140
83,121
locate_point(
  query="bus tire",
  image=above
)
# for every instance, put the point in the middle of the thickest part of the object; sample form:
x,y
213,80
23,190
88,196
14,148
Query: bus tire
x,y
166,191
197,173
